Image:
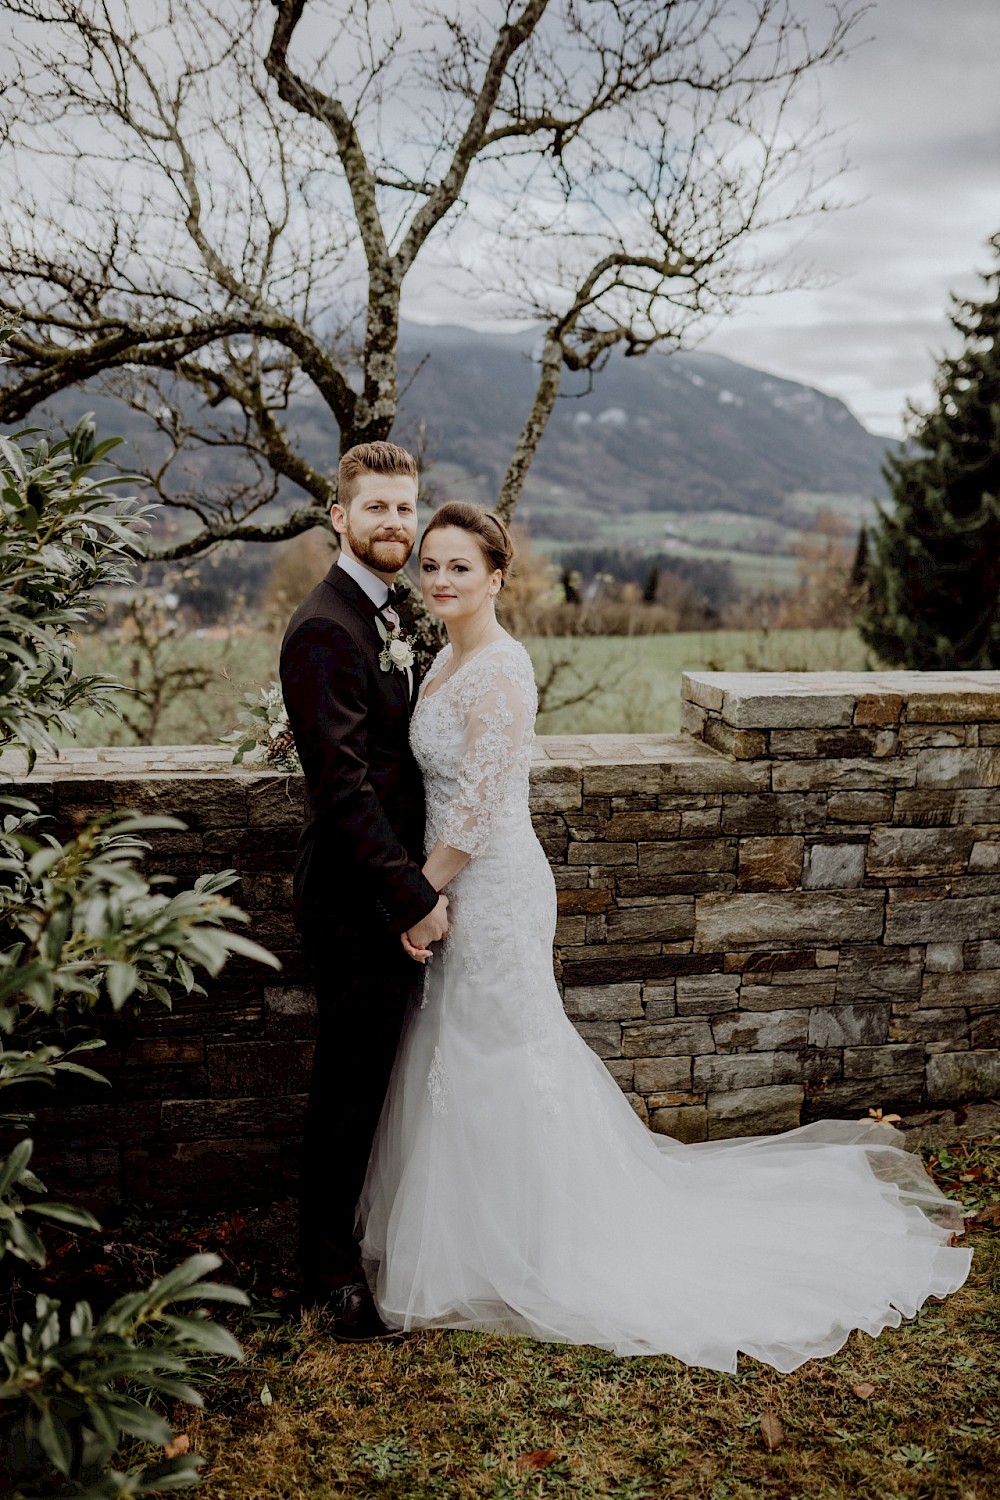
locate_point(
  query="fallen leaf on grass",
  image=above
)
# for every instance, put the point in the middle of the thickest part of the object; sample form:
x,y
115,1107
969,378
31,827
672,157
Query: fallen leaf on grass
x,y
771,1431
229,1228
539,1458
180,1444
864,1390
988,1218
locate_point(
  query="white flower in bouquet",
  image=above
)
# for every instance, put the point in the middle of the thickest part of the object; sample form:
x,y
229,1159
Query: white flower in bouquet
x,y
264,733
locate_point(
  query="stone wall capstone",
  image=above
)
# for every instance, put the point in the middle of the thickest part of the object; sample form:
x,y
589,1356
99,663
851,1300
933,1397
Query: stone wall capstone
x,y
789,911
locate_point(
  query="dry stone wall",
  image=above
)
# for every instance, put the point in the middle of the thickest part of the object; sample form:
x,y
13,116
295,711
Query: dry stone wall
x,y
789,911
824,891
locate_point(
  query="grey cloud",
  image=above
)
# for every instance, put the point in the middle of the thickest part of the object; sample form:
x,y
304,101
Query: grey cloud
x,y
920,111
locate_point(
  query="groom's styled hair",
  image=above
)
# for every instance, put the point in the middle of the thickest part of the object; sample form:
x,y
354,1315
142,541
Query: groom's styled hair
x,y
371,458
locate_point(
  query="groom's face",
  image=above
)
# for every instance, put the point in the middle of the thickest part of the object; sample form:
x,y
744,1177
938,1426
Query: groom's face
x,y
378,526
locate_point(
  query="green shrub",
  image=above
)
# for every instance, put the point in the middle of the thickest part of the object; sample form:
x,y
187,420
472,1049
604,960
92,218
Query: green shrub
x,y
80,924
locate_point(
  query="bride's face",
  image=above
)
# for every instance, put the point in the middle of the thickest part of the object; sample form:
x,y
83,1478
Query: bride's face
x,y
455,579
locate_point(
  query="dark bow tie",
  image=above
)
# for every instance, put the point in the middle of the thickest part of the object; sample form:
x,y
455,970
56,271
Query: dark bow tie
x,y
398,595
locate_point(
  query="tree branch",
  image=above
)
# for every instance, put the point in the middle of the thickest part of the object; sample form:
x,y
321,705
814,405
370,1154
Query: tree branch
x,y
445,195
300,519
308,99
533,430
164,344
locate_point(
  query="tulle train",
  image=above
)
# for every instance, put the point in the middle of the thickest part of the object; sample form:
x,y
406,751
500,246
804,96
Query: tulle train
x,y
513,1189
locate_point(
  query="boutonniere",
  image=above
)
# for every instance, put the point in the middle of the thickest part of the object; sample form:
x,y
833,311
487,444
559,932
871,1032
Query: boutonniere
x,y
397,653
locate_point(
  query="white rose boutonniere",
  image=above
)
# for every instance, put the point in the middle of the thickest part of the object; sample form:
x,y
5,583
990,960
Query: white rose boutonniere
x,y
397,653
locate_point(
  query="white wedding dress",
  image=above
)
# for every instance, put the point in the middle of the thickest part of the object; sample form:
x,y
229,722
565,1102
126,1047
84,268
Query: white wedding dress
x,y
511,1187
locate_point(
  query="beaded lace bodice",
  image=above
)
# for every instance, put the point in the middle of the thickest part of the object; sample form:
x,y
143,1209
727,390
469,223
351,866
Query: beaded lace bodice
x,y
472,737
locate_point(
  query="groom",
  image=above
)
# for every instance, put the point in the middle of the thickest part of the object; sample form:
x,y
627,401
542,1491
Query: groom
x,y
358,882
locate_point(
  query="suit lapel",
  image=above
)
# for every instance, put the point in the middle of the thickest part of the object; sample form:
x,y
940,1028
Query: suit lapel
x,y
341,581
354,595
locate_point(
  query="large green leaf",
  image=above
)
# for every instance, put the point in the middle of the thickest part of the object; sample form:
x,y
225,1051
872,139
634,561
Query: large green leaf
x,y
65,1213
13,1166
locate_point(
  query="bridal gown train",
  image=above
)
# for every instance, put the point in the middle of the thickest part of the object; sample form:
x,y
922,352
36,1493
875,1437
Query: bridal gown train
x,y
511,1187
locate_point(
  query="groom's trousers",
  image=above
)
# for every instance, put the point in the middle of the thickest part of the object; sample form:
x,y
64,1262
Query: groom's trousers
x,y
365,984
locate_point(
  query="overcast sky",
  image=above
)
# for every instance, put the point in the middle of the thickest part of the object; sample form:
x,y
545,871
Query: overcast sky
x,y
918,104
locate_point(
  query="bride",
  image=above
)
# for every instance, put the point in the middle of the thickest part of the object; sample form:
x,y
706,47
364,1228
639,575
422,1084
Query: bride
x,y
511,1187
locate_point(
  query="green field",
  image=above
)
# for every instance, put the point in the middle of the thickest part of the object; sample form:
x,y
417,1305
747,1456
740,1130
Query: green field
x,y
603,684
761,550
636,680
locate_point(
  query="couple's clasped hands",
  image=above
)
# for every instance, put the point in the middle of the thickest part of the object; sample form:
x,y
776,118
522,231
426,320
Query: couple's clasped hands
x,y
430,929
442,865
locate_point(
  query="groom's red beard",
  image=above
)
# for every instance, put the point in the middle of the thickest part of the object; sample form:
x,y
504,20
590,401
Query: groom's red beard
x,y
385,554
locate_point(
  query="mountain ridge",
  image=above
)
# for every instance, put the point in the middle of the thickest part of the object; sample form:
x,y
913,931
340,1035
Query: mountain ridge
x,y
682,432
688,453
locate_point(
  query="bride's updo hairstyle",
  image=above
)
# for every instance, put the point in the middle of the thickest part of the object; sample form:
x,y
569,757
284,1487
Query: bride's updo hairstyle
x,y
489,531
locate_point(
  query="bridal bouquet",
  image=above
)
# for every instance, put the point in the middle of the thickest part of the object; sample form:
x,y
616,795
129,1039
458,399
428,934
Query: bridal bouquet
x,y
263,731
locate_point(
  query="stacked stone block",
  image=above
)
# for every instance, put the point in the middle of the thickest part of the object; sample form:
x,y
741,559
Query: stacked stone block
x,y
791,910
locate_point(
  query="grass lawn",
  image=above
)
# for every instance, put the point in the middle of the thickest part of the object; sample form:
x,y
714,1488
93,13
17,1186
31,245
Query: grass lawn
x,y
914,1413
619,684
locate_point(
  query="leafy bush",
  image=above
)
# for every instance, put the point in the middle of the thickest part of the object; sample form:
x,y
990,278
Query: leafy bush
x,y
62,536
81,925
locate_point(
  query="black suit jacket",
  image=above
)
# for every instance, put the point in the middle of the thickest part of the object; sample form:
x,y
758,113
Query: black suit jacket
x,y
361,849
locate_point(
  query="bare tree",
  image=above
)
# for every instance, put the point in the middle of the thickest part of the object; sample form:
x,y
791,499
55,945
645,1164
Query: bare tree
x,y
213,209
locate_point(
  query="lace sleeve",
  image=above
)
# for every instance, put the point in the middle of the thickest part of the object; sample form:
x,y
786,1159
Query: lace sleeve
x,y
497,701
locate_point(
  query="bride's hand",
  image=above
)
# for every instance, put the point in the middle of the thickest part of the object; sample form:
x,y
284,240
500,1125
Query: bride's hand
x,y
420,955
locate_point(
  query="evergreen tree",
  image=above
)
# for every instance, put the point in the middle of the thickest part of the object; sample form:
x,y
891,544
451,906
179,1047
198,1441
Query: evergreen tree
x,y
859,567
933,557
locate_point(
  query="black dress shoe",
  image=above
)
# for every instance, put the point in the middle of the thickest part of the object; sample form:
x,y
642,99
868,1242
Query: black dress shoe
x,y
354,1316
